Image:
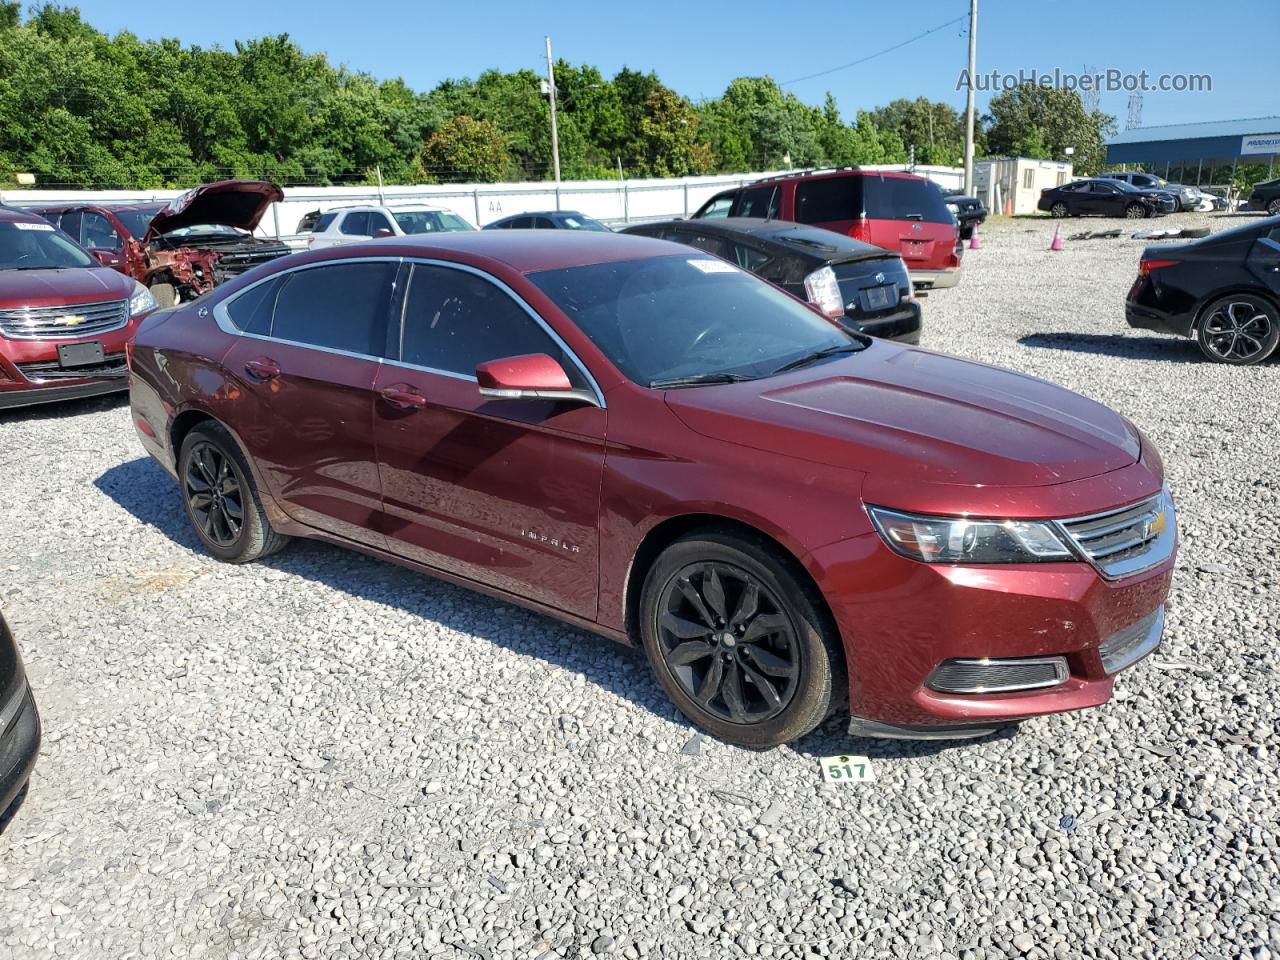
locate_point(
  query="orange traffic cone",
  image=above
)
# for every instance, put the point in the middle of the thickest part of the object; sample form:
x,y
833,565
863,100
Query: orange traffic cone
x,y
1057,237
973,238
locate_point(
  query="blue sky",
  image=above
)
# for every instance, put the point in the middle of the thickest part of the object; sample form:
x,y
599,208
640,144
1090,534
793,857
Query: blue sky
x,y
698,47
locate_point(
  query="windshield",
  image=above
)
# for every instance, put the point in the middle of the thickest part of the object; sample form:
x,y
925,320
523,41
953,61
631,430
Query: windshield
x,y
1125,186
136,221
38,246
675,316
577,221
429,221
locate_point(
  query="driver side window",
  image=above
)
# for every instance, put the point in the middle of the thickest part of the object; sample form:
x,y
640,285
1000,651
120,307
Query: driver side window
x,y
98,234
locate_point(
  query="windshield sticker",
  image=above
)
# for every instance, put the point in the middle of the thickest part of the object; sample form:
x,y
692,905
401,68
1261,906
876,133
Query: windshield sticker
x,y
23,225
714,266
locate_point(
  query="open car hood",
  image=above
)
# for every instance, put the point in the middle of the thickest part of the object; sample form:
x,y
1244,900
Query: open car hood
x,y
231,203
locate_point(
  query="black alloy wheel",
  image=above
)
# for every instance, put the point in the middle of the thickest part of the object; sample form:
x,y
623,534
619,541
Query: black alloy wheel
x,y
1273,207
1059,210
215,494
1240,330
1135,211
221,499
728,642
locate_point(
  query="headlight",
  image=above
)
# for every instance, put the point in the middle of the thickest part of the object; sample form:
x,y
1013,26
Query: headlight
x,y
961,540
953,207
141,301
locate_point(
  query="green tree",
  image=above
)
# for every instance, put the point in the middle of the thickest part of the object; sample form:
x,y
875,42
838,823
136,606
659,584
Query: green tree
x,y
934,129
669,129
1048,120
464,149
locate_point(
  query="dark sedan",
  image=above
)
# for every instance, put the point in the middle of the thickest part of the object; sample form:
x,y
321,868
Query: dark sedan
x,y
548,220
1223,290
19,723
865,288
1265,196
1105,198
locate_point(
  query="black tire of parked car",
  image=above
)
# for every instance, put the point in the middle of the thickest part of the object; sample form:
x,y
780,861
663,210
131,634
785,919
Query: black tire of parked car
x,y
1136,211
1273,207
221,498
1060,210
1240,329
739,640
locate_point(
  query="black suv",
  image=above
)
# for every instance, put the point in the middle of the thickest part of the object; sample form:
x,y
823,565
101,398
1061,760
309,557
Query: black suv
x,y
1184,197
1265,196
861,287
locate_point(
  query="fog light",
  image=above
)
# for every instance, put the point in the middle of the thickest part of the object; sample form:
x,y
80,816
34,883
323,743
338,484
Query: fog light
x,y
998,676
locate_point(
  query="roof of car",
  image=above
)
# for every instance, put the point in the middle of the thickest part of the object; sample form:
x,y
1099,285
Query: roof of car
x,y
820,243
542,213
14,215
389,207
525,251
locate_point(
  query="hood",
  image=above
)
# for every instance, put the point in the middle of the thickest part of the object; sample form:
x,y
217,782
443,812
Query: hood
x,y
51,288
917,416
231,203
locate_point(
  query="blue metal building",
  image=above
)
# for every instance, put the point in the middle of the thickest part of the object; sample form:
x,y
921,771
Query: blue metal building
x,y
1196,150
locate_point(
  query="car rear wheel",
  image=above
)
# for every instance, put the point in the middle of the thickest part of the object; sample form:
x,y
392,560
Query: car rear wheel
x,y
221,500
1060,210
1273,207
737,640
1135,211
1240,329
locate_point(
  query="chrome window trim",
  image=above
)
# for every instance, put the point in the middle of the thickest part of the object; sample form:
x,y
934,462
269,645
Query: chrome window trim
x,y
223,319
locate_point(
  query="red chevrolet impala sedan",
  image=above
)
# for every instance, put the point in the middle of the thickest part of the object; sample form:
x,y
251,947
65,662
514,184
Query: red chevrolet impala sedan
x,y
652,444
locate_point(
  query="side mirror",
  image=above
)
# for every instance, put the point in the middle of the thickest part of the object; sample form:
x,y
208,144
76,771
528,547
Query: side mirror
x,y
108,258
382,232
533,376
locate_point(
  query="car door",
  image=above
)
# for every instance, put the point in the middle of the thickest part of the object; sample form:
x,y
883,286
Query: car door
x,y
1264,260
378,221
70,224
502,492
352,228
304,371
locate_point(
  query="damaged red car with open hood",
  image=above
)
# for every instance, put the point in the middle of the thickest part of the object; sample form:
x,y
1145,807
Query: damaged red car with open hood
x,y
181,249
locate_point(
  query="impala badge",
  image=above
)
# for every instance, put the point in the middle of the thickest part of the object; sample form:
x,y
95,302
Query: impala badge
x,y
556,542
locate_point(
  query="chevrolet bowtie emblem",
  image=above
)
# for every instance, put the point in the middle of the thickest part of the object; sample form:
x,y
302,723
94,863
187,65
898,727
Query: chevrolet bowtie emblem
x,y
69,320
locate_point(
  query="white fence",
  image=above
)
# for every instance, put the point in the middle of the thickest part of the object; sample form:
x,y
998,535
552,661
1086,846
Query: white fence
x,y
611,201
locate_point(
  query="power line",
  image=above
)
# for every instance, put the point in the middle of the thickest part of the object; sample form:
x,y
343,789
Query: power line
x,y
878,53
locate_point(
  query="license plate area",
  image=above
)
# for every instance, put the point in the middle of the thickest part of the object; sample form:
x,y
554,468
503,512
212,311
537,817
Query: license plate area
x,y
878,298
85,354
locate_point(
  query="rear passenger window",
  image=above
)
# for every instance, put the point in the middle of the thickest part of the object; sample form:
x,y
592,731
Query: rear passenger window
x,y
356,224
323,223
542,223
713,245
454,320
251,311
827,200
378,222
342,307
761,202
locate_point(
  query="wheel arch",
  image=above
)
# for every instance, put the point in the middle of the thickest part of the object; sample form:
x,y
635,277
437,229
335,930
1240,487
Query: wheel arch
x,y
673,528
1202,308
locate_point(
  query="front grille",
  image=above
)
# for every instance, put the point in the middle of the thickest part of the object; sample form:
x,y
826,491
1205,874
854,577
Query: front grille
x,y
233,264
1128,540
998,676
1128,646
113,365
66,322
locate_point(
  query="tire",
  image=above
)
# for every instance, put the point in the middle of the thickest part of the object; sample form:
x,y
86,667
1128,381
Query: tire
x,y
1136,211
795,652
210,458
1273,208
1239,329
166,294
1059,210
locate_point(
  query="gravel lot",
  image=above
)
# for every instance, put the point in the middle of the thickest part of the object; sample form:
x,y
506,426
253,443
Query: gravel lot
x,y
327,756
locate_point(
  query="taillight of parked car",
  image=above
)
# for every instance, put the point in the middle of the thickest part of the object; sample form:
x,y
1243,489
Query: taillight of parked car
x,y
1146,266
823,290
861,230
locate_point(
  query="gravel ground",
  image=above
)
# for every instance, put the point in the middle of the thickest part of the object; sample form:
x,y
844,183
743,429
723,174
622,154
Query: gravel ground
x,y
327,756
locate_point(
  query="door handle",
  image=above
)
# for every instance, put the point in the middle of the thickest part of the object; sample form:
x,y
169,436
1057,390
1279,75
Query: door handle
x,y
263,369
405,398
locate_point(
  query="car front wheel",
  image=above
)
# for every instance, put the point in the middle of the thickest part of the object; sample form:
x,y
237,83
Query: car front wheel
x,y
1273,207
1135,211
1060,210
737,640
1240,329
221,500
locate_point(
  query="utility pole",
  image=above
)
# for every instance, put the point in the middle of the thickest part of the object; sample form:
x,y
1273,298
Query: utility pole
x,y
551,94
968,110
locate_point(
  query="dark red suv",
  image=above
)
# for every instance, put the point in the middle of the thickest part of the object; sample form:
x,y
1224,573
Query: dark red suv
x,y
64,316
654,444
897,211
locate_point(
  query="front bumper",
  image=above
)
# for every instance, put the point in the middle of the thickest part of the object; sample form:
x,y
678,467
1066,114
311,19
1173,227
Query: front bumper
x,y
23,395
900,619
19,746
